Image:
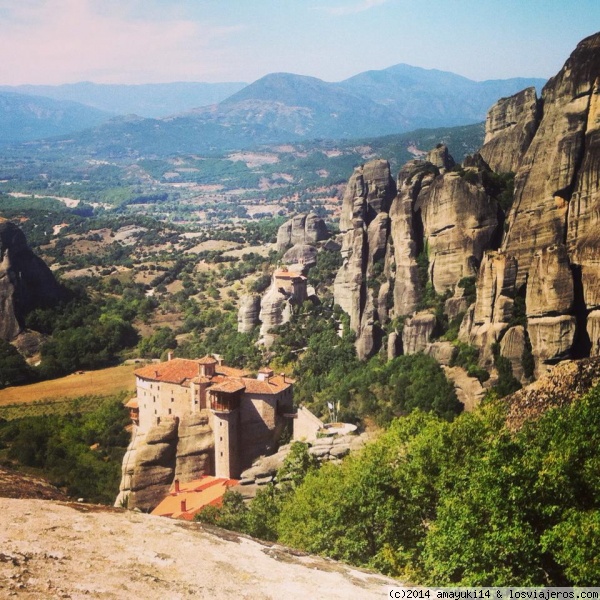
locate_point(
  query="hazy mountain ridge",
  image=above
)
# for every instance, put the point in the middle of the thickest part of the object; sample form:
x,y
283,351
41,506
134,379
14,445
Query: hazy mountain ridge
x,y
372,103
149,100
25,117
282,107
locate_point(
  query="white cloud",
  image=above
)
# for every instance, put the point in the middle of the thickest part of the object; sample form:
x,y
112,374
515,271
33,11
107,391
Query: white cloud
x,y
354,8
56,41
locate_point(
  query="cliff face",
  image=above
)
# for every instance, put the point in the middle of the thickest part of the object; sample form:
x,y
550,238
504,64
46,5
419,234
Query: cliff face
x,y
175,449
536,268
26,282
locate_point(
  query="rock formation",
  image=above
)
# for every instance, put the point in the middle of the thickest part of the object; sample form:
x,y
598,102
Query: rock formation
x,y
26,282
365,229
301,229
275,310
248,313
536,263
175,449
510,126
85,551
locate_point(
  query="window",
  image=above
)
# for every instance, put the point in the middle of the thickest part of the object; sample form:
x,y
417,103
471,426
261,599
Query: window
x,y
169,411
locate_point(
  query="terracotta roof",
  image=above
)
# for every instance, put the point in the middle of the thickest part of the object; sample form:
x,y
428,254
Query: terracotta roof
x,y
207,360
172,371
133,403
231,372
229,386
273,385
197,494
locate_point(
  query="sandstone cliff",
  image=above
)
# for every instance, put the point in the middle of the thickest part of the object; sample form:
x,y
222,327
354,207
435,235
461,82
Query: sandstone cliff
x,y
26,282
535,262
175,449
301,229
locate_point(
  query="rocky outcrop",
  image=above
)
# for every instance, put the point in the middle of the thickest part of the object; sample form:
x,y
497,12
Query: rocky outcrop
x,y
248,313
509,128
460,222
493,308
174,449
365,229
549,302
417,332
26,282
301,229
195,447
536,262
84,551
512,347
302,255
469,390
406,238
551,168
275,310
325,449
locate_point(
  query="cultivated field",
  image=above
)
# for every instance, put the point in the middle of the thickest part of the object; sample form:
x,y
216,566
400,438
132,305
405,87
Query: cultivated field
x,y
105,382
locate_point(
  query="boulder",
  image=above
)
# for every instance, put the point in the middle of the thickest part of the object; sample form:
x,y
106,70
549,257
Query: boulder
x,y
440,157
550,283
441,351
551,340
469,390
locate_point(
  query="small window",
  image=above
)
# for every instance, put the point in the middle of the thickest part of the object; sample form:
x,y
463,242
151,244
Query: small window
x,y
172,399
221,454
221,439
169,411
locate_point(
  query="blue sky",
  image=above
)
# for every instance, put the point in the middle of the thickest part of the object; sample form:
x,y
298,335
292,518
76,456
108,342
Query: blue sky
x,y
143,41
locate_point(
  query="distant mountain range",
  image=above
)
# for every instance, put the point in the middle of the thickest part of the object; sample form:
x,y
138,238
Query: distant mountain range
x,y
283,107
148,100
24,118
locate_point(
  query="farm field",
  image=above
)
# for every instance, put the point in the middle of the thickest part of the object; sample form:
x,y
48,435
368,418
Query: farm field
x,y
104,382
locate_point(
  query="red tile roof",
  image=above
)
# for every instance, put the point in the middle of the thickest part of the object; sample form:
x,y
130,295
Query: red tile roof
x,y
197,494
229,386
172,371
227,379
207,360
133,403
273,385
231,372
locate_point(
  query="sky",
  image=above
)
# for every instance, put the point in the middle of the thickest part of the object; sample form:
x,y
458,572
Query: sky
x,y
156,41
